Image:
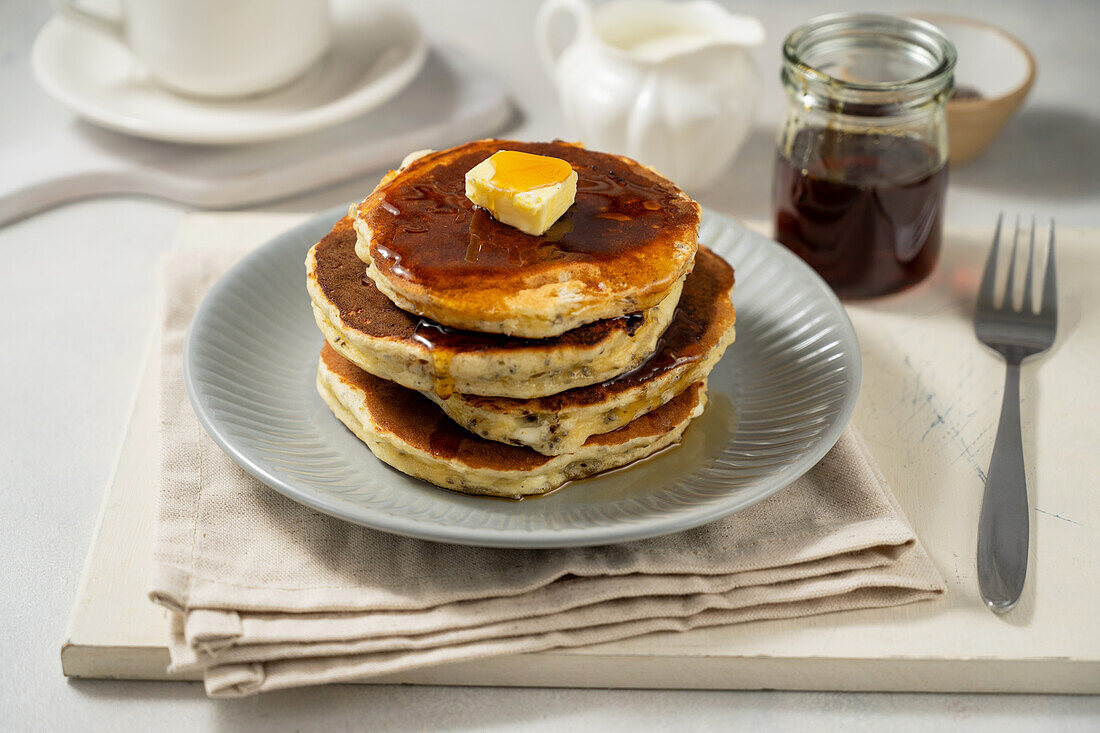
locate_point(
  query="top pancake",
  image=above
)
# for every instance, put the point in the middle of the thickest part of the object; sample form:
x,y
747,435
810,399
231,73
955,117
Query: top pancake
x,y
627,239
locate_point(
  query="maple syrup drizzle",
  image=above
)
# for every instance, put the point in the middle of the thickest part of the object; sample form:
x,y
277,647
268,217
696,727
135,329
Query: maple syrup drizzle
x,y
429,334
443,342
681,343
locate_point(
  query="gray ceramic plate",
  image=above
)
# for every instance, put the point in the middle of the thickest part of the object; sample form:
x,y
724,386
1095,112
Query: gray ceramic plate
x,y
779,400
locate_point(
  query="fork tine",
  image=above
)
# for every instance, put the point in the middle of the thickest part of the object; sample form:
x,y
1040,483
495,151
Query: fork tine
x,y
1050,291
1010,281
1028,277
989,275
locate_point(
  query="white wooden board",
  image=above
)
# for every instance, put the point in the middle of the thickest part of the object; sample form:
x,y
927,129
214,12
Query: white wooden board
x,y
928,410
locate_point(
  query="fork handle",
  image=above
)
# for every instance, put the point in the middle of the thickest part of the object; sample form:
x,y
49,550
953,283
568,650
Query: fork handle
x,y
1003,524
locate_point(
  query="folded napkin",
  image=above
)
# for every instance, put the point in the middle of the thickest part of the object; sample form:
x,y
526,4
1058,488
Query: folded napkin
x,y
267,593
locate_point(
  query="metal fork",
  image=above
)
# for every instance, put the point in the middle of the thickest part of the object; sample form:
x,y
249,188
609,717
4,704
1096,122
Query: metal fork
x,y
1015,335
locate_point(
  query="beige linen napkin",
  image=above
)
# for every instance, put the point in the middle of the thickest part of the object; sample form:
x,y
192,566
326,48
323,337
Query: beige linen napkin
x,y
267,593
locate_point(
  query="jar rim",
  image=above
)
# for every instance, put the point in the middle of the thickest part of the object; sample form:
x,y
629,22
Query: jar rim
x,y
916,33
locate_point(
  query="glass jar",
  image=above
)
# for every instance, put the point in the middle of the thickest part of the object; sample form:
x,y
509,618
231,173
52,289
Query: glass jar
x,y
861,169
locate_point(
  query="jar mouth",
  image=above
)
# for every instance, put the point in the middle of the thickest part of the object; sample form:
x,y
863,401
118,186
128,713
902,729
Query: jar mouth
x,y
870,57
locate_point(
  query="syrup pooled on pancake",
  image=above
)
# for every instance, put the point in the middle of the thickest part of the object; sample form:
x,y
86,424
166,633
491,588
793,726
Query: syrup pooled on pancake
x,y
428,231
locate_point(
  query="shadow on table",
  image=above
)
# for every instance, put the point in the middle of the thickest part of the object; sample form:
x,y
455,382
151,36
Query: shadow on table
x,y
1045,153
405,708
744,190
947,297
358,187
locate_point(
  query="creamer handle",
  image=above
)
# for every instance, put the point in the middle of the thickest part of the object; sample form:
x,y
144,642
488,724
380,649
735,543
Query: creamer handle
x,y
544,27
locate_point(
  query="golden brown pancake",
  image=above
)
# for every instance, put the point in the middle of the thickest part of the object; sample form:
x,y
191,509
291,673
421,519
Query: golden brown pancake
x,y
407,431
619,249
367,328
701,329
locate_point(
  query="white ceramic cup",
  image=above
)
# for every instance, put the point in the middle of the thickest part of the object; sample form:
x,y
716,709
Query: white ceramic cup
x,y
217,48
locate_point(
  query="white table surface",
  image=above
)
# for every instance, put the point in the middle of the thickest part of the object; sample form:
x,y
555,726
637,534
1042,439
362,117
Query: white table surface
x,y
77,292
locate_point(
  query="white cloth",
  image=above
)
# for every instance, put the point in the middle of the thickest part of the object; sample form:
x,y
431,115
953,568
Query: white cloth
x,y
267,593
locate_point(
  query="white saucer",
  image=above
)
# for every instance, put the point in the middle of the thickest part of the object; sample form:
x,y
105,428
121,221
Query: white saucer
x,y
377,49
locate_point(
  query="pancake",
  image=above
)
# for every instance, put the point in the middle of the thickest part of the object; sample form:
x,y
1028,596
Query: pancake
x,y
367,328
701,330
629,237
402,428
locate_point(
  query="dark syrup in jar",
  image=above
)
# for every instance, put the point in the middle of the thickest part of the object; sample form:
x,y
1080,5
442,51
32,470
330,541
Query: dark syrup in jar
x,y
864,210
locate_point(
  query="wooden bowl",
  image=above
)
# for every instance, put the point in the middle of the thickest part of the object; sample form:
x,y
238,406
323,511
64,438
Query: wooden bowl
x,y
992,63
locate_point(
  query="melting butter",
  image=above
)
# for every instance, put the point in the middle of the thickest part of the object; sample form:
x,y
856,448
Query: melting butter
x,y
526,191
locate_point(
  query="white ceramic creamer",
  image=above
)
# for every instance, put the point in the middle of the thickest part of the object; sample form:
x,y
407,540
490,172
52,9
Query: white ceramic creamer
x,y
668,84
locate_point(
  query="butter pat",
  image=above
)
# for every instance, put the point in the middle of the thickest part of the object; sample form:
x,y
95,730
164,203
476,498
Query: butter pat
x,y
528,192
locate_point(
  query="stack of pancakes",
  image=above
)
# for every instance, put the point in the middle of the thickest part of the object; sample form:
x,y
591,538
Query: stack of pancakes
x,y
485,360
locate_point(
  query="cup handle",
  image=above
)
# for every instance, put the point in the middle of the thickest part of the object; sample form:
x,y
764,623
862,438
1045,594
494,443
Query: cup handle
x,y
544,27
110,26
